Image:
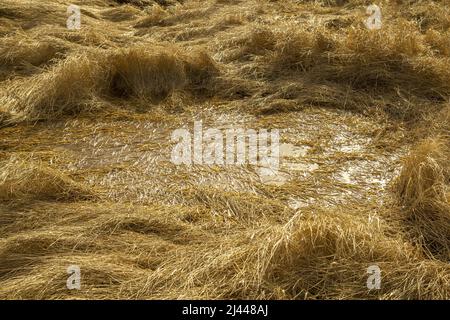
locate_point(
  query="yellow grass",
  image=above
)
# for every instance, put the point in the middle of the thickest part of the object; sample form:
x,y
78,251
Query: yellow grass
x,y
86,179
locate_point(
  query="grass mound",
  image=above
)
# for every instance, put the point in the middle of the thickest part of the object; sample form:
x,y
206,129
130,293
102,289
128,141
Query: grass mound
x,y
4,118
64,89
389,59
316,255
397,63
341,245
21,49
75,84
122,13
423,191
144,73
326,254
20,179
154,17
201,72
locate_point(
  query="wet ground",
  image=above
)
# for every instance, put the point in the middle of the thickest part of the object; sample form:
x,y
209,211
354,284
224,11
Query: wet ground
x,y
327,157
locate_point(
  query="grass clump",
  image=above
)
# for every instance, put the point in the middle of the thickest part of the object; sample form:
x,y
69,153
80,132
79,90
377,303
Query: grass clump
x,y
64,89
143,73
20,179
21,49
201,72
75,84
423,191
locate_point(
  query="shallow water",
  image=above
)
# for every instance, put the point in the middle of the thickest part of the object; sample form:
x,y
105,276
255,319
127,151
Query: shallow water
x,y
131,160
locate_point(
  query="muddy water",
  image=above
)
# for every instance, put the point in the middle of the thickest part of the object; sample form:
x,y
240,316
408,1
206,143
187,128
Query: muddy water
x,y
326,157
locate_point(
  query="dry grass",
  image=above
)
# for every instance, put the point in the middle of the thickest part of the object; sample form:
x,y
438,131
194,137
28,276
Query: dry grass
x,y
316,256
21,49
65,89
144,74
20,180
85,123
155,17
384,61
423,191
77,84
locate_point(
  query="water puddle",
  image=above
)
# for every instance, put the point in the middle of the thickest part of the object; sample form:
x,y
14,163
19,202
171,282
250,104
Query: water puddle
x,y
291,150
288,153
324,154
